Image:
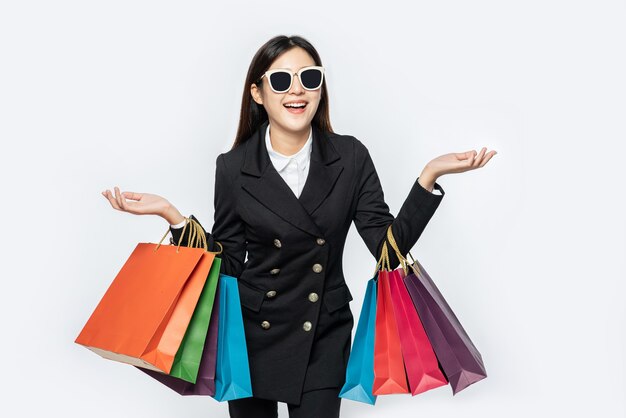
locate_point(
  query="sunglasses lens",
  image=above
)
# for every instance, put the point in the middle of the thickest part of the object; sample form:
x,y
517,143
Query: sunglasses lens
x,y
280,81
311,79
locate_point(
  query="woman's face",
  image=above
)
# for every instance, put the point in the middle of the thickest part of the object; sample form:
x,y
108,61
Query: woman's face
x,y
274,103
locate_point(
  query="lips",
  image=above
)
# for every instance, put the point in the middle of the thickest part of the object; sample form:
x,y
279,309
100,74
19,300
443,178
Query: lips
x,y
295,103
295,110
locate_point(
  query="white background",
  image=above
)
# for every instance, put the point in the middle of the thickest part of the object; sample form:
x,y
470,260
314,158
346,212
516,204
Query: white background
x,y
529,250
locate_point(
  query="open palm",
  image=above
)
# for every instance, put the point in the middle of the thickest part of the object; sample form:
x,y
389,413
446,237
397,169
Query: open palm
x,y
137,203
459,162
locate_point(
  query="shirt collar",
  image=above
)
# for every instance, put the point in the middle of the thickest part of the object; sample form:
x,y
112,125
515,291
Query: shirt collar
x,y
280,161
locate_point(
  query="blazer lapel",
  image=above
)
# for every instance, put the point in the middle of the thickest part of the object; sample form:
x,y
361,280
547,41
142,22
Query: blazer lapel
x,y
267,186
322,175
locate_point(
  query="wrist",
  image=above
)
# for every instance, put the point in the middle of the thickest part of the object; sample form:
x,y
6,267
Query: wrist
x,y
172,215
427,179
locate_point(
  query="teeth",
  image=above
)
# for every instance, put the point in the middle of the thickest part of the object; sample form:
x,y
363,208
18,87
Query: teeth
x,y
295,105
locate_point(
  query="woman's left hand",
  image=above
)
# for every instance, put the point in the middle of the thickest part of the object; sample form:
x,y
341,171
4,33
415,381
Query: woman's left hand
x,y
458,162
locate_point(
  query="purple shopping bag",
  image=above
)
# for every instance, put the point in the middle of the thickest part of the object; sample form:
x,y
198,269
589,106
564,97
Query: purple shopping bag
x,y
460,360
205,382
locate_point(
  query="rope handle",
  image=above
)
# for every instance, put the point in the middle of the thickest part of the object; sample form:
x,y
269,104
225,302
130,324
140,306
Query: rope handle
x,y
404,261
384,259
197,237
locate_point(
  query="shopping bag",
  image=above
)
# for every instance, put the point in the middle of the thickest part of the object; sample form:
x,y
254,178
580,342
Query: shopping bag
x,y
187,360
360,370
389,373
143,316
460,360
420,361
205,381
232,373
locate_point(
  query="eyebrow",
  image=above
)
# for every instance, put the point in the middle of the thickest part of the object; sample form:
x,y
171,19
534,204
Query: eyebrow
x,y
285,68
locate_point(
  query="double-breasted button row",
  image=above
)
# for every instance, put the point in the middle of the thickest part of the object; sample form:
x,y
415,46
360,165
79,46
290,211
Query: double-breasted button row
x,y
313,297
317,268
307,326
319,241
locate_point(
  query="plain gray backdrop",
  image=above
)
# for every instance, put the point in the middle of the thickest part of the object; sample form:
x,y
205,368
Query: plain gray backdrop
x,y
529,251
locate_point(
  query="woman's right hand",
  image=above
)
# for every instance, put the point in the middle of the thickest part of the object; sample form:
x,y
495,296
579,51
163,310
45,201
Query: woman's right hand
x,y
139,203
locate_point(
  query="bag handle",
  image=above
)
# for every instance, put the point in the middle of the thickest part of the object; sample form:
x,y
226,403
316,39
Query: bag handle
x,y
384,259
197,237
403,260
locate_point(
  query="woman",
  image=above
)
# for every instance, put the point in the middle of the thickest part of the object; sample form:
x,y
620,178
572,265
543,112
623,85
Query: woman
x,y
286,195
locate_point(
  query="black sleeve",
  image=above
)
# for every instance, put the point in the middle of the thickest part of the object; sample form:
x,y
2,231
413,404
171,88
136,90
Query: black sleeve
x,y
372,216
228,228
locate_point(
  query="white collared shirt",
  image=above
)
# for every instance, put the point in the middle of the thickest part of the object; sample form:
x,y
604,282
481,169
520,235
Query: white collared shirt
x,y
292,168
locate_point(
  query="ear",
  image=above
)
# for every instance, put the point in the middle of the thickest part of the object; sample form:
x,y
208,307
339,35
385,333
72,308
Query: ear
x,y
255,91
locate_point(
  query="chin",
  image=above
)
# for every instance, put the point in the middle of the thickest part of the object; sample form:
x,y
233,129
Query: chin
x,y
296,124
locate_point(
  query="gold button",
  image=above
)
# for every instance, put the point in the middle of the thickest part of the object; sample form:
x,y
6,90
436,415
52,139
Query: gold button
x,y
307,326
265,325
313,297
277,243
317,268
274,271
271,294
321,241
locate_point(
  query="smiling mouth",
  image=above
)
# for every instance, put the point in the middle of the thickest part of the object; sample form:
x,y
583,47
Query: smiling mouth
x,y
298,106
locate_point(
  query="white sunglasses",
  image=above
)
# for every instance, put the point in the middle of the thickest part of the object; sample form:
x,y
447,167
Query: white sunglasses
x,y
281,79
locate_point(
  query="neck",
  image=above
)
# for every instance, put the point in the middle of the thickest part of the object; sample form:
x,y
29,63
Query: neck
x,y
288,142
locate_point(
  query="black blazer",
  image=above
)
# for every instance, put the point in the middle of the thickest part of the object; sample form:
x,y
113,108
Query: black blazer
x,y
297,319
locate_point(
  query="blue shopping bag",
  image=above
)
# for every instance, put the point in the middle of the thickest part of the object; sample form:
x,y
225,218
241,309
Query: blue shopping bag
x,y
232,371
360,371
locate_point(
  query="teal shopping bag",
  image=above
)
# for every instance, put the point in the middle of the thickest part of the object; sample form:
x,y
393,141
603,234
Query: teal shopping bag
x,y
232,371
360,371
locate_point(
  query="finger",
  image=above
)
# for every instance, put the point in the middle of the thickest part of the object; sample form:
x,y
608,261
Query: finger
x,y
471,159
111,200
479,158
132,196
118,197
465,155
486,159
123,200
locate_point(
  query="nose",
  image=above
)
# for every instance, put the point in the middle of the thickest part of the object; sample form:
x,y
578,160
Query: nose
x,y
296,86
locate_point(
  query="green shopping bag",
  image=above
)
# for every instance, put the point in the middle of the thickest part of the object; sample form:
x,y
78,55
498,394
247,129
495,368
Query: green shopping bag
x,y
187,360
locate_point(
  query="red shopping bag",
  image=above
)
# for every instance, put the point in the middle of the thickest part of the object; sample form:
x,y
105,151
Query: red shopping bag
x,y
389,374
422,367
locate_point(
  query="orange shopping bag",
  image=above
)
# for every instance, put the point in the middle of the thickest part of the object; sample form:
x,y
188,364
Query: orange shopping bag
x,y
389,374
143,316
